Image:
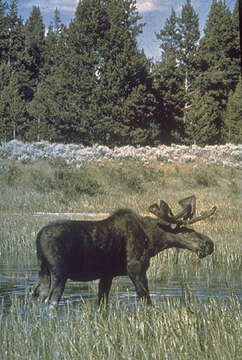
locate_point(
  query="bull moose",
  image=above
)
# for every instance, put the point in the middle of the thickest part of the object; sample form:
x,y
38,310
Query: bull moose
x,y
121,244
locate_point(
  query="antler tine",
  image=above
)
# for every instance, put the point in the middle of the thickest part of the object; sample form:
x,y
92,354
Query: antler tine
x,y
164,213
189,208
155,209
203,216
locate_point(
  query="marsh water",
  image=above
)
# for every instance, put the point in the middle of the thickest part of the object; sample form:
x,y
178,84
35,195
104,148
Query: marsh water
x,y
17,277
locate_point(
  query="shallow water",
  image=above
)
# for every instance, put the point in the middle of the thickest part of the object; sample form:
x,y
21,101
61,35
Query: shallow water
x,y
17,278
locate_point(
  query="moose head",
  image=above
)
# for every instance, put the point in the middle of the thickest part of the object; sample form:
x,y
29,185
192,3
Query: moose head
x,y
177,224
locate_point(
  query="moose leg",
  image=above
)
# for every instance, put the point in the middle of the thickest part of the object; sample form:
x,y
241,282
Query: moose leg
x,y
58,282
41,289
103,290
177,255
137,273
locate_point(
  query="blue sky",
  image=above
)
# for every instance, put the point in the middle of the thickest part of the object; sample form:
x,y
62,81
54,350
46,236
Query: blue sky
x,y
154,13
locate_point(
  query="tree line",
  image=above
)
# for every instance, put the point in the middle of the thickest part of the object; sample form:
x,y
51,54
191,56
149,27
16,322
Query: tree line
x,y
88,82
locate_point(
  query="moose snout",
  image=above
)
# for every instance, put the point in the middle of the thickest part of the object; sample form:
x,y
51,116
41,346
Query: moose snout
x,y
209,247
206,248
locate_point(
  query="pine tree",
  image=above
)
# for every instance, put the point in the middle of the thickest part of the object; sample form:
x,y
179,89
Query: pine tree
x,y
15,36
4,81
54,46
35,34
169,82
217,76
123,96
202,126
234,46
18,59
4,44
4,71
233,117
41,111
188,39
188,42
103,90
12,111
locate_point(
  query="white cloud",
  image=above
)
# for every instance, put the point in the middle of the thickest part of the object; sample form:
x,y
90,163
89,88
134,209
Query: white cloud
x,y
50,5
152,5
145,6
70,5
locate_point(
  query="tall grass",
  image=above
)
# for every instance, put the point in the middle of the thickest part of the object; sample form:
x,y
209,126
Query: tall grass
x,y
180,329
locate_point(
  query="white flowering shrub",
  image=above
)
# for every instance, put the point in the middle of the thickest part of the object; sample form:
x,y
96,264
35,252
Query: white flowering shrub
x,y
227,155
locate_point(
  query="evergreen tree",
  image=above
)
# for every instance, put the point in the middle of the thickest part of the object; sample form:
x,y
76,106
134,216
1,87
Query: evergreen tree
x,y
233,117
35,34
123,96
234,46
41,111
15,36
102,91
188,39
55,46
169,82
217,78
52,108
188,42
12,111
175,73
202,126
18,59
4,44
4,81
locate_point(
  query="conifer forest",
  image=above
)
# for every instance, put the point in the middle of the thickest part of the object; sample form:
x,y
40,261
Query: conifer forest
x,y
89,83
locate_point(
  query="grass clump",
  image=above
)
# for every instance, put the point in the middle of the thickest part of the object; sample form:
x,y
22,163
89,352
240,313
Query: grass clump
x,y
126,178
205,178
75,182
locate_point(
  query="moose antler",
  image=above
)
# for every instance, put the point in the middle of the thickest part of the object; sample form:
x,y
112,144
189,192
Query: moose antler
x,y
204,215
184,217
189,208
164,213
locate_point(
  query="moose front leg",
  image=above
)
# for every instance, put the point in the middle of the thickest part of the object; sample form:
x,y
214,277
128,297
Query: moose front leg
x,y
103,290
137,273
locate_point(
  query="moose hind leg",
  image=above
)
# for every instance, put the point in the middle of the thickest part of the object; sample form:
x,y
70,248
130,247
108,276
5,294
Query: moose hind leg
x,y
42,287
138,275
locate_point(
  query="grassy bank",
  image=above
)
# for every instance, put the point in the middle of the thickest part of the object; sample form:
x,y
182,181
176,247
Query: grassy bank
x,y
103,186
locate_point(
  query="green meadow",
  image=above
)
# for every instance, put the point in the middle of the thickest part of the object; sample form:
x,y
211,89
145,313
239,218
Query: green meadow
x,y
175,327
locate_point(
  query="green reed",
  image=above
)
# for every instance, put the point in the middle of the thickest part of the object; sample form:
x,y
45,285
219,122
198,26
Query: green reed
x,y
180,329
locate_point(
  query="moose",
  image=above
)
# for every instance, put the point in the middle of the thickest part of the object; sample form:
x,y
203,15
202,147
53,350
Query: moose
x,y
121,244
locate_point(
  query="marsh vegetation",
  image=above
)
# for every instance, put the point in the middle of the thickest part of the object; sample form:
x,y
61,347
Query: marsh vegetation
x,y
197,303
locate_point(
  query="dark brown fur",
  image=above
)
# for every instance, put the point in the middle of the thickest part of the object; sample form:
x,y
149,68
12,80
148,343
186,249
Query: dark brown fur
x,y
122,244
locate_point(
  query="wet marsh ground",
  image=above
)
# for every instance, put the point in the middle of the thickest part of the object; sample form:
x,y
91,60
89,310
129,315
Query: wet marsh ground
x,y
197,303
